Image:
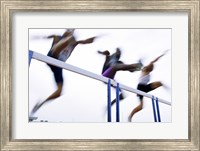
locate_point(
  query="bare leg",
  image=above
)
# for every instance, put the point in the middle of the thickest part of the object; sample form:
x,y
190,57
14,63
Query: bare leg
x,y
155,85
135,110
125,67
121,97
54,95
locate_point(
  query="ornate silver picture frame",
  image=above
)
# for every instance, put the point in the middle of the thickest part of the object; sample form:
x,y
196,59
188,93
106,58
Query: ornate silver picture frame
x,y
10,7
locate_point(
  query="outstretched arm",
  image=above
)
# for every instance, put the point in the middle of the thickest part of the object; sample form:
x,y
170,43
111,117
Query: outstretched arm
x,y
86,41
149,67
55,38
158,57
51,36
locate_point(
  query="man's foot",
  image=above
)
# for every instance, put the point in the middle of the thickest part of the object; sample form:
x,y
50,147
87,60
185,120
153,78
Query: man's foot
x,y
32,118
139,66
36,107
121,97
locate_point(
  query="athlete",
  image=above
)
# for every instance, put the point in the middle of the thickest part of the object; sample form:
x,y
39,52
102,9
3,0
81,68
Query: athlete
x,y
144,84
112,64
61,49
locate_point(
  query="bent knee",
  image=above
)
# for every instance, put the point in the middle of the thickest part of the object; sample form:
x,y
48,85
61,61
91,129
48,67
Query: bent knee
x,y
155,85
59,92
159,84
141,106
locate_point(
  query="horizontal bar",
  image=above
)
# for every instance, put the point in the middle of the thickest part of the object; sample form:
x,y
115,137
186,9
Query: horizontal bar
x,y
75,69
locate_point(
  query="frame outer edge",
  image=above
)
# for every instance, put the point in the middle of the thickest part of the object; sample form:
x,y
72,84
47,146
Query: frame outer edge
x,y
6,82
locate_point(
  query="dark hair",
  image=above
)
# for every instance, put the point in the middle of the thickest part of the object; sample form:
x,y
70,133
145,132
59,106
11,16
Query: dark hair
x,y
68,32
150,67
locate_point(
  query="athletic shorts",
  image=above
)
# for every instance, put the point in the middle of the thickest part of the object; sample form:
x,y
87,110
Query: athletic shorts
x,y
144,88
109,73
58,75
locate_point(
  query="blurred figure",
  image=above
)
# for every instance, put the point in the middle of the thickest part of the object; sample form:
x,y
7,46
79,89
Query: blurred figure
x,y
144,84
112,64
61,49
110,59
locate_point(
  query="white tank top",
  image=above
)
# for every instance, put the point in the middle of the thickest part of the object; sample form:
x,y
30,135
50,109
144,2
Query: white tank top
x,y
144,79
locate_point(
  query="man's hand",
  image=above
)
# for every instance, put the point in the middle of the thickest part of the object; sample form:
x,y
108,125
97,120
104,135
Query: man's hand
x,y
89,40
106,52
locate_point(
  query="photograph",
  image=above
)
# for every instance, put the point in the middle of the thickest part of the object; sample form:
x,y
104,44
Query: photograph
x,y
99,75
138,58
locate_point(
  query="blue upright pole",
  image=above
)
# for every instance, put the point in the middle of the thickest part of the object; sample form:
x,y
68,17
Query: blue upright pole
x,y
117,104
158,110
109,102
30,56
154,110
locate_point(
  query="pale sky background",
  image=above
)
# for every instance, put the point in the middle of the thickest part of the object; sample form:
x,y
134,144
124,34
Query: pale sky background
x,y
84,99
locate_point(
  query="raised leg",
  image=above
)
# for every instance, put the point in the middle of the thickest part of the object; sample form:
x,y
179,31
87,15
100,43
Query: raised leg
x,y
54,95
